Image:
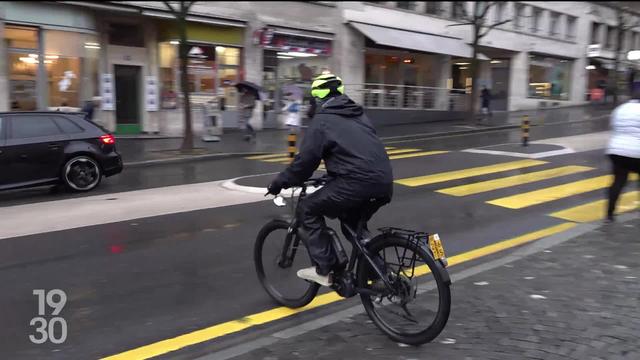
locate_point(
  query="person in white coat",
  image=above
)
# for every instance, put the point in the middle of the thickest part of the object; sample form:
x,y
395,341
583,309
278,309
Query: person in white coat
x,y
292,110
623,148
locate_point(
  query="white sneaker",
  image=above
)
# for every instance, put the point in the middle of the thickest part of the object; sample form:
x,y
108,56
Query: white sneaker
x,y
311,275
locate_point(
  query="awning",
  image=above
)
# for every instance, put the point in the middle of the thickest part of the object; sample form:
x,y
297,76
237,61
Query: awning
x,y
417,41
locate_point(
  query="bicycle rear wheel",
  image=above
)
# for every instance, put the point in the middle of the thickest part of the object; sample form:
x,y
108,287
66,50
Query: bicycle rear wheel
x,y
278,255
418,308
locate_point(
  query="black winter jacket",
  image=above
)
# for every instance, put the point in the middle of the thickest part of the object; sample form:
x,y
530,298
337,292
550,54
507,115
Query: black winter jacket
x,y
342,136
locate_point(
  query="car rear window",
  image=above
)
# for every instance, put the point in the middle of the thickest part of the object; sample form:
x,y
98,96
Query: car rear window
x,y
23,127
68,126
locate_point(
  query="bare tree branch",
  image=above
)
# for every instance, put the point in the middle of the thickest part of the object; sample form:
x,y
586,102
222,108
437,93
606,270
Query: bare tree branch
x,y
489,28
486,8
167,4
189,5
461,24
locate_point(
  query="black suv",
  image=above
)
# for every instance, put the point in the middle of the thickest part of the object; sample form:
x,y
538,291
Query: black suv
x,y
46,148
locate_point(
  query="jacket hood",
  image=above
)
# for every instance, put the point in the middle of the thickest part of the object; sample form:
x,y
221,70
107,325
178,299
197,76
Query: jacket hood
x,y
340,105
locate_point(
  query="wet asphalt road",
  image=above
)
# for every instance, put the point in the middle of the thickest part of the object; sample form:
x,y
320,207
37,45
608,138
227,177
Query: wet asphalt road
x,y
136,282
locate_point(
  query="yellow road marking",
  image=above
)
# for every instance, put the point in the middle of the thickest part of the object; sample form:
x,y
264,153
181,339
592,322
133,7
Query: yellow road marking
x,y
267,156
401,151
465,173
229,327
389,147
422,153
490,185
279,159
596,210
500,246
536,197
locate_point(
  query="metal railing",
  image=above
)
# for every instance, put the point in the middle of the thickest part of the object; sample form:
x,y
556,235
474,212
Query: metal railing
x,y
389,96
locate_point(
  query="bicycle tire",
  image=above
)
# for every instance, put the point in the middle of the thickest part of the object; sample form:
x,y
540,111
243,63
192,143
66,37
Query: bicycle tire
x,y
444,293
291,302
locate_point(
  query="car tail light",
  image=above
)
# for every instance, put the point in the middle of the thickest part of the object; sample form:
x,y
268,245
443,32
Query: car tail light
x,y
108,139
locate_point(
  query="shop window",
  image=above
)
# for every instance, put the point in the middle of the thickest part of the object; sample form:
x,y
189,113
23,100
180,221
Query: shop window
x,y
500,8
554,24
458,10
549,77
433,7
536,16
126,34
518,16
227,55
23,70
19,37
610,38
406,5
595,33
571,27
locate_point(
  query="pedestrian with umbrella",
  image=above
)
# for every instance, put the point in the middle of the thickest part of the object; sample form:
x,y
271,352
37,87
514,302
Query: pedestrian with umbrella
x,y
249,93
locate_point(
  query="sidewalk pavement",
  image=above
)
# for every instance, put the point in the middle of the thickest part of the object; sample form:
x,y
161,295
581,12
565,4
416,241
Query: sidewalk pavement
x,y
577,299
144,149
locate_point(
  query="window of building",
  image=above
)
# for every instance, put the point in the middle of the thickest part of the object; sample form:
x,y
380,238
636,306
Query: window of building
x,y
518,16
571,27
22,44
610,38
20,37
433,7
24,127
406,5
500,9
458,10
554,24
123,34
549,77
536,17
595,33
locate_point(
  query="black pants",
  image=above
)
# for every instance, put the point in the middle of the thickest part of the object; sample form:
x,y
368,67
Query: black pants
x,y
622,165
338,198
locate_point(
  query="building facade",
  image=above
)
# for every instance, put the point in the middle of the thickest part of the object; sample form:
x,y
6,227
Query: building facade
x,y
404,56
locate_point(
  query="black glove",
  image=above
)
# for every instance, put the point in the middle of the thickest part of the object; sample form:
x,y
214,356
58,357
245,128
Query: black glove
x,y
274,188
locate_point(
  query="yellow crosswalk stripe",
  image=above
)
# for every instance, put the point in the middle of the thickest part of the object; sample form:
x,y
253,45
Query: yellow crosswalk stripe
x,y
418,154
505,182
596,210
279,159
389,147
465,173
267,156
536,197
401,151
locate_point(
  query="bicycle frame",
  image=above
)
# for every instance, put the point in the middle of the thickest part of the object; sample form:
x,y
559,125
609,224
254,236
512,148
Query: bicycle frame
x,y
354,236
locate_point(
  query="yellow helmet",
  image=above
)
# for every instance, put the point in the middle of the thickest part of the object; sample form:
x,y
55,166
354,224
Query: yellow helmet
x,y
322,85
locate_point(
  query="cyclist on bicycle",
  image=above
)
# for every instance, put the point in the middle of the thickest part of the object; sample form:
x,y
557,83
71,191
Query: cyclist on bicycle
x,y
358,169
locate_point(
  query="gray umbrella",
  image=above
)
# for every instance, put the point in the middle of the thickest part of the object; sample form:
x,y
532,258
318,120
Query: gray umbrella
x,y
254,89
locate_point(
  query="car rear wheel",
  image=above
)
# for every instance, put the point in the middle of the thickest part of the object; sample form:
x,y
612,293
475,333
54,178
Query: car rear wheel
x,y
81,173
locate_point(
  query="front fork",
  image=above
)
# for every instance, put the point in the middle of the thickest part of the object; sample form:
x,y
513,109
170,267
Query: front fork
x,y
291,241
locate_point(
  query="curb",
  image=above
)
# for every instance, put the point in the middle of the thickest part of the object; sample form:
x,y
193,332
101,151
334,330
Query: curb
x,y
393,139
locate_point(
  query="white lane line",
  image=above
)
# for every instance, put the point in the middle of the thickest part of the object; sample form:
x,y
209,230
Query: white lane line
x,y
522,155
43,217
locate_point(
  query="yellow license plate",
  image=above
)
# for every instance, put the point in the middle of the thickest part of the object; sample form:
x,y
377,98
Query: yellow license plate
x,y
436,246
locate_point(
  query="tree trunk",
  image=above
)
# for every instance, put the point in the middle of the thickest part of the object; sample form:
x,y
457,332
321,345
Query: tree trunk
x,y
187,141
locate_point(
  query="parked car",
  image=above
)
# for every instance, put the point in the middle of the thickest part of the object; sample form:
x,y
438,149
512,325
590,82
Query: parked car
x,y
47,148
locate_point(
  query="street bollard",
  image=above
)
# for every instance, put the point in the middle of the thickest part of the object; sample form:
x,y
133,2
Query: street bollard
x,y
525,130
292,145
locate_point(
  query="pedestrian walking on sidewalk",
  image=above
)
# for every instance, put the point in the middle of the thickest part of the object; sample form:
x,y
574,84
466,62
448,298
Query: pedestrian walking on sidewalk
x,y
624,148
247,104
293,114
485,95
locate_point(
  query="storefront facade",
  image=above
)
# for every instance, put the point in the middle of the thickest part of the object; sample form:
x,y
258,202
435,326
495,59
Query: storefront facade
x,y
51,56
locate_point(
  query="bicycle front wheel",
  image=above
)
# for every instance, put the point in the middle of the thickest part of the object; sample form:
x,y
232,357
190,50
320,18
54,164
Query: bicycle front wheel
x,y
278,255
417,307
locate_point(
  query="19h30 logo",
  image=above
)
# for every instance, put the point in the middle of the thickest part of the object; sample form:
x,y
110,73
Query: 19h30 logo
x,y
52,327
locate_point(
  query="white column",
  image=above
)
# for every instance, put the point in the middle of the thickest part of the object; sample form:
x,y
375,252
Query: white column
x,y
348,59
518,80
578,81
150,122
253,67
444,71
